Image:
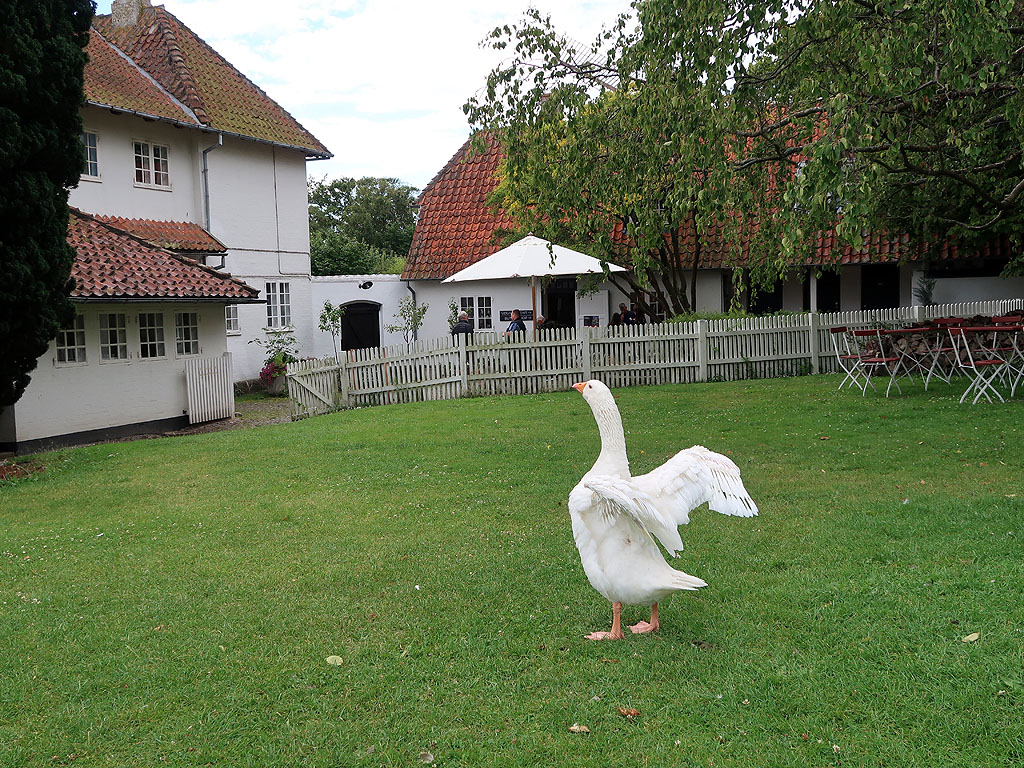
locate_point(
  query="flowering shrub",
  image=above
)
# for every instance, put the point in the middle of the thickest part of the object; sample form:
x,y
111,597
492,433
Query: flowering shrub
x,y
272,370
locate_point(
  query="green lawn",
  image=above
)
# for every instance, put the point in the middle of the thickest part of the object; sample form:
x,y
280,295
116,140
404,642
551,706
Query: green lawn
x,y
174,601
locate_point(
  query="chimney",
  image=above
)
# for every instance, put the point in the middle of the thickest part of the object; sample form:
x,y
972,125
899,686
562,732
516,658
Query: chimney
x,y
125,13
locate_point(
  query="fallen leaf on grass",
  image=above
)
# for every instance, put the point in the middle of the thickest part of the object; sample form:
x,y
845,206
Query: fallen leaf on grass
x,y
577,728
426,757
971,637
630,713
335,661
610,661
704,645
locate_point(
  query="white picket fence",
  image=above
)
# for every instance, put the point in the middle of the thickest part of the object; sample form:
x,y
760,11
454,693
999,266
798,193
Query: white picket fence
x,y
663,353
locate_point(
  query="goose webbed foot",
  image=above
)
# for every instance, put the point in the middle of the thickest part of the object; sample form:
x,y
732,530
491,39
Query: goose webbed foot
x,y
616,633
643,627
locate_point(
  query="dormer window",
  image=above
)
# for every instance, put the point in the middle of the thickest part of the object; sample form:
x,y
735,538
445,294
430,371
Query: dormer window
x,y
151,165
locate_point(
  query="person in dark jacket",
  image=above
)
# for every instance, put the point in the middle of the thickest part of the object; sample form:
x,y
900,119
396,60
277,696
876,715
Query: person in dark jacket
x,y
463,326
517,325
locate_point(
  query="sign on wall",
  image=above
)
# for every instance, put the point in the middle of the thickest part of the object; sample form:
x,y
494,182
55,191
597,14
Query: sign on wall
x,y
505,315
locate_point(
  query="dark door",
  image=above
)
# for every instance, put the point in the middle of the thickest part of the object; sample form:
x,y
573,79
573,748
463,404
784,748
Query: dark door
x,y
560,302
879,286
360,325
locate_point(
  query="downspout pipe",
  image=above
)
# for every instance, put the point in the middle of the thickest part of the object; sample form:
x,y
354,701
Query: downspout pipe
x,y
206,180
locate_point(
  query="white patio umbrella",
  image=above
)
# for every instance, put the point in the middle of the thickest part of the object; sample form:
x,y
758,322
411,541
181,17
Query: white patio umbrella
x,y
531,257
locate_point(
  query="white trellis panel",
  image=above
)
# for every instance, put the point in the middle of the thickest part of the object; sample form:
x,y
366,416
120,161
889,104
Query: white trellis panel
x,y
209,388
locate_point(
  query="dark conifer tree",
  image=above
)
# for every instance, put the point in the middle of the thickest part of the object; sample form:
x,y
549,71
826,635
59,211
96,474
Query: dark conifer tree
x,y
42,60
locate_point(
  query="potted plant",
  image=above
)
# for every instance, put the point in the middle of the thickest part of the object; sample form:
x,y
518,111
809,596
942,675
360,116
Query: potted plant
x,y
281,349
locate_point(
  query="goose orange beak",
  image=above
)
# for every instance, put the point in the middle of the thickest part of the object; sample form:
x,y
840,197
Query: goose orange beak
x,y
579,385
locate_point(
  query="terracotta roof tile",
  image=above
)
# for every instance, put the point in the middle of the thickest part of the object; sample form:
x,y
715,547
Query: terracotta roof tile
x,y
172,235
455,227
113,264
219,96
112,80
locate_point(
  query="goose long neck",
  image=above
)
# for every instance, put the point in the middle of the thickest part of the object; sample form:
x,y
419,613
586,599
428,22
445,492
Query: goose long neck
x,y
613,441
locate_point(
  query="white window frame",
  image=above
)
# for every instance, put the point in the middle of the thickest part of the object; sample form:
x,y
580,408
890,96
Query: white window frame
x,y
279,304
92,155
71,345
151,155
232,326
151,336
114,338
186,334
485,317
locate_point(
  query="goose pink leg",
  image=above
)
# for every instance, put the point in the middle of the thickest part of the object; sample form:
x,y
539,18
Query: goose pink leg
x,y
646,626
616,633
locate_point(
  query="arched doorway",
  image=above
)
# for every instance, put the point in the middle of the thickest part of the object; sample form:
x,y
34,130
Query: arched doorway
x,y
360,325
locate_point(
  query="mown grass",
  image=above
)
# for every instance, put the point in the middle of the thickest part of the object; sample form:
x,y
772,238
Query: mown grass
x,y
174,601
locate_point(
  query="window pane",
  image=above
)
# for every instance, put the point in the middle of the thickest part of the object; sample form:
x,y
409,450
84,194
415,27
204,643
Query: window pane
x,y
160,166
92,166
71,342
483,309
231,324
186,333
113,336
142,168
151,335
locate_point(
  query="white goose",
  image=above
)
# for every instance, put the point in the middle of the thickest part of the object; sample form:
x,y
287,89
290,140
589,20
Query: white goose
x,y
616,517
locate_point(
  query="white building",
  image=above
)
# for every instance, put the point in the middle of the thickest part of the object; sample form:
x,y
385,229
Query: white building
x,y
191,229
174,133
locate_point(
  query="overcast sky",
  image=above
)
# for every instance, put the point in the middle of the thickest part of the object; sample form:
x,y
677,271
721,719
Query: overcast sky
x,y
380,82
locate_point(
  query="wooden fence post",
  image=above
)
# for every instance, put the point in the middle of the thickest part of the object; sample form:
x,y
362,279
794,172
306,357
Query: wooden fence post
x,y
702,350
343,378
463,365
588,368
815,350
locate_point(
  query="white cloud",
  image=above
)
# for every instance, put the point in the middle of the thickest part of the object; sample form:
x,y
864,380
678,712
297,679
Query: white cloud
x,y
380,82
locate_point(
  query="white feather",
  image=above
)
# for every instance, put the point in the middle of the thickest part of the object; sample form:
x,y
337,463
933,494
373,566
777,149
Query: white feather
x,y
618,519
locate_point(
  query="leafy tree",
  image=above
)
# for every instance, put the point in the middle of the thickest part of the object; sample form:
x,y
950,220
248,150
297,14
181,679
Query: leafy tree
x,y
42,60
331,320
761,125
410,317
360,226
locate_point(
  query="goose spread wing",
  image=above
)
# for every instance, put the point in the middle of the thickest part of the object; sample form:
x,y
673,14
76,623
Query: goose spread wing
x,y
691,478
614,497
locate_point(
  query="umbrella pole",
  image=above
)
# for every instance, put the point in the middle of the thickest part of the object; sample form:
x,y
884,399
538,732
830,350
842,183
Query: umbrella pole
x,y
533,295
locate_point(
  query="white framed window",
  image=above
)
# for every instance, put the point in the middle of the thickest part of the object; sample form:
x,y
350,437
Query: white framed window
x,y
92,158
279,305
231,324
113,336
186,333
152,164
483,313
151,335
71,343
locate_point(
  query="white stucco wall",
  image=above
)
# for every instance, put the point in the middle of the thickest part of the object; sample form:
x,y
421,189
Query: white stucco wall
x,y
959,289
340,290
65,399
115,193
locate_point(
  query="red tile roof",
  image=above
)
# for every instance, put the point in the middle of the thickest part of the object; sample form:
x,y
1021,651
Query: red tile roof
x,y
172,235
210,92
456,227
112,80
113,264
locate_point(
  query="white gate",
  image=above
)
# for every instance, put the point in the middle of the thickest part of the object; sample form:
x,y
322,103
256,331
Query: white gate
x,y
209,387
